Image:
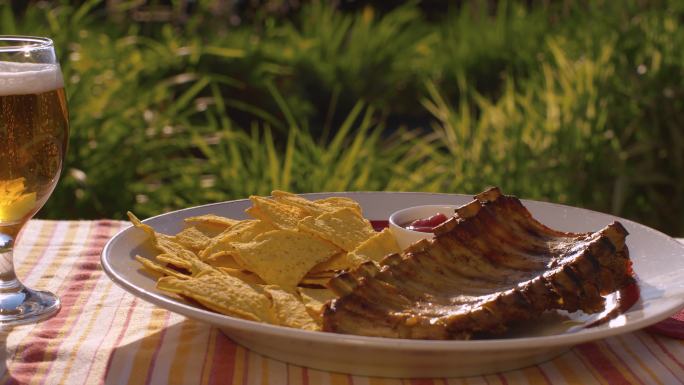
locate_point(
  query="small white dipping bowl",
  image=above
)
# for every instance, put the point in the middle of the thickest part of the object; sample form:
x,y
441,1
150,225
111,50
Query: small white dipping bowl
x,y
402,217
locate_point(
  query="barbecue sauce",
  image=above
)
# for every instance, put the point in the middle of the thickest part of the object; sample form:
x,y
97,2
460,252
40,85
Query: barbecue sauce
x,y
625,298
426,225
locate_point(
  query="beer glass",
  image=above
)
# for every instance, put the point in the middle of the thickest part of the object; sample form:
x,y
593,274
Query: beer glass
x,y
34,130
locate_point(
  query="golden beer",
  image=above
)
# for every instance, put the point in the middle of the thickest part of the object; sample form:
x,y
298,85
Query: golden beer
x,y
34,131
33,137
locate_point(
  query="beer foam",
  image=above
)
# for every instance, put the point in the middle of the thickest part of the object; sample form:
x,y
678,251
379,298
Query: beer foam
x,y
29,78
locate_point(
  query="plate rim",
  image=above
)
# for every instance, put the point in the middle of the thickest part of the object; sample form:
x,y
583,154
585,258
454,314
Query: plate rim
x,y
514,343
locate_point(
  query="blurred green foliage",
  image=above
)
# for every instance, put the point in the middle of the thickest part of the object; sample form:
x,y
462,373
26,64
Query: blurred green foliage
x,y
576,102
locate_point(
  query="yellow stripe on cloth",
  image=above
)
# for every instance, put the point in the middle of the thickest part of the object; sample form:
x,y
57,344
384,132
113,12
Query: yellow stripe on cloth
x,y
193,341
339,379
534,375
295,375
64,321
265,374
90,315
144,358
618,362
30,245
209,356
633,360
240,366
658,351
572,370
92,324
375,381
117,307
472,381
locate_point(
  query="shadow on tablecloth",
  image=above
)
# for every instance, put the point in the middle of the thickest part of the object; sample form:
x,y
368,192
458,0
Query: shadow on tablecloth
x,y
5,375
186,352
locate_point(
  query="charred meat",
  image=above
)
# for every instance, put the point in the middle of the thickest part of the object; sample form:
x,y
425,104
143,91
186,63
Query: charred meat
x,y
489,265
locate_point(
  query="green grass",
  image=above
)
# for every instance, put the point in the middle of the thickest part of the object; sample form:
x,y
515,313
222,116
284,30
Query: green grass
x,y
578,103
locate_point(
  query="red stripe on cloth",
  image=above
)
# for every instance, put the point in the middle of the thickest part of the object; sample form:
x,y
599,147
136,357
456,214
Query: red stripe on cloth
x,y
603,366
655,356
543,374
94,266
422,381
35,346
672,327
50,242
502,378
205,361
223,363
155,354
120,337
629,368
245,367
106,333
667,352
305,376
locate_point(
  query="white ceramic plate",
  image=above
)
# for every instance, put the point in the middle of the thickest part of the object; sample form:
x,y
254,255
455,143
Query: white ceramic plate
x,y
658,263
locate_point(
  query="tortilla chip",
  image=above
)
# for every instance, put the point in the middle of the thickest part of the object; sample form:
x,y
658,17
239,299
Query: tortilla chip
x,y
321,274
214,220
244,231
225,263
244,275
210,225
198,267
178,251
309,207
320,278
289,309
335,203
280,215
283,257
149,230
222,293
338,262
192,239
174,260
321,281
342,227
314,300
159,269
166,243
375,248
223,259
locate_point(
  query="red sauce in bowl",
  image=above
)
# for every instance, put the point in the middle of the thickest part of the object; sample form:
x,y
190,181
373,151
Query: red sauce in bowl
x,y
426,225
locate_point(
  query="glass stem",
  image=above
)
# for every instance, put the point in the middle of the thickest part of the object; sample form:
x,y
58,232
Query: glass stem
x,y
8,279
19,304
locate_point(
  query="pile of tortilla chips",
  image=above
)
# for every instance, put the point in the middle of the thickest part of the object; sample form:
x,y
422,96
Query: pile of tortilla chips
x,y
272,268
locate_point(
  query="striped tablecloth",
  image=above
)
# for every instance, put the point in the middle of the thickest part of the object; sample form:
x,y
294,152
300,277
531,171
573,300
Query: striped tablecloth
x,y
105,335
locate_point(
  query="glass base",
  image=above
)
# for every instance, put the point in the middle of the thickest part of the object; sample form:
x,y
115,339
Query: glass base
x,y
27,306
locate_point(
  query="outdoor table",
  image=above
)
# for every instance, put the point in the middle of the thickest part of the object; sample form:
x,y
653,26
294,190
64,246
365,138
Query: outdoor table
x,y
105,335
